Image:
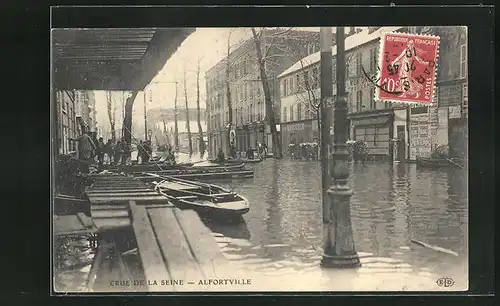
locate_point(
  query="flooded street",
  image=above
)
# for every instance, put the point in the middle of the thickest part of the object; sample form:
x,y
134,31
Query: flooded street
x,y
279,244
391,205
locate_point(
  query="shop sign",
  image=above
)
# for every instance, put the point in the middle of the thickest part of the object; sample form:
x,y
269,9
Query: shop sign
x,y
455,111
294,127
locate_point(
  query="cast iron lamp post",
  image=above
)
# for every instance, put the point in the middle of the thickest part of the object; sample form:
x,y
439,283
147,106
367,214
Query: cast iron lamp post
x,y
339,250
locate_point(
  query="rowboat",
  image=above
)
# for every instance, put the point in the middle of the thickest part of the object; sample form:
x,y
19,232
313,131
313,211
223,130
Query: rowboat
x,y
149,167
194,170
240,161
207,199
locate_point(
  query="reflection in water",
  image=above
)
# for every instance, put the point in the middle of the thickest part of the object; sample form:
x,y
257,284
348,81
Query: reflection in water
x,y
391,205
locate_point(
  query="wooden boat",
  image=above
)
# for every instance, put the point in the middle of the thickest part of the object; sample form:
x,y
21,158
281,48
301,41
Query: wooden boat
x,y
425,162
149,167
211,175
194,170
207,199
241,160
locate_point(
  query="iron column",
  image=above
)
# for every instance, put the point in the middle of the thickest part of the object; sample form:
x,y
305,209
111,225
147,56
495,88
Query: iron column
x,y
326,121
339,251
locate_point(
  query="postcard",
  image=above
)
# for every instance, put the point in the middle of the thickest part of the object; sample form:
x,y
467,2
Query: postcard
x,y
283,159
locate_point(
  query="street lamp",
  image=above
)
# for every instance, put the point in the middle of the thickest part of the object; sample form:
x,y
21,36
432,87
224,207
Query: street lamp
x,y
339,250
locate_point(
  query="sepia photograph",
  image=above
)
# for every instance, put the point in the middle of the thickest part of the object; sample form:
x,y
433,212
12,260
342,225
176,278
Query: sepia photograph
x,y
259,159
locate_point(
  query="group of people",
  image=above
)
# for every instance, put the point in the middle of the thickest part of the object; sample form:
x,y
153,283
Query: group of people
x,y
108,153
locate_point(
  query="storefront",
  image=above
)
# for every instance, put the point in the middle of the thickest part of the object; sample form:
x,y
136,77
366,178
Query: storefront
x,y
376,129
298,132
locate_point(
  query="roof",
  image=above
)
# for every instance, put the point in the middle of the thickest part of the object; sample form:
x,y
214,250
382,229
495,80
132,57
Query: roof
x,y
111,59
351,42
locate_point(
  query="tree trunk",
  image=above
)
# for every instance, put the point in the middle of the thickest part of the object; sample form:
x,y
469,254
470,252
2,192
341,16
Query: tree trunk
x,y
270,118
111,115
201,143
127,121
176,127
190,141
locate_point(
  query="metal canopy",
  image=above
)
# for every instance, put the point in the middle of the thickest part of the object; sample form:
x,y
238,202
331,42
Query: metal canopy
x,y
111,59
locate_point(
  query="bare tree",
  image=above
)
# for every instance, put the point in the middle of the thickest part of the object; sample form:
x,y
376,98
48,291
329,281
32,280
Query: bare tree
x,y
176,126
190,141
111,114
262,56
201,143
127,121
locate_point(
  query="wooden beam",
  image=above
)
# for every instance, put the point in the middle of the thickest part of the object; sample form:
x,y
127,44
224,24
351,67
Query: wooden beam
x,y
175,248
149,251
205,249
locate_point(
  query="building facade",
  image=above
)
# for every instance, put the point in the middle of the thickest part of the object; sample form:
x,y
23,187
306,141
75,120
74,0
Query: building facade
x,y
391,130
248,124
75,111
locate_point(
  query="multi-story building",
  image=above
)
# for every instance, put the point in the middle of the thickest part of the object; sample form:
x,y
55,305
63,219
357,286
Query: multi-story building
x,y
76,111
246,91
371,120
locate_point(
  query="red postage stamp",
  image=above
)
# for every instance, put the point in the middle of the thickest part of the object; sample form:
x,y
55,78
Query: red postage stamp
x,y
407,68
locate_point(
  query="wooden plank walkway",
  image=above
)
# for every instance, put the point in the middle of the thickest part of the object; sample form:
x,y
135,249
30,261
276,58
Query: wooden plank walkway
x,y
174,247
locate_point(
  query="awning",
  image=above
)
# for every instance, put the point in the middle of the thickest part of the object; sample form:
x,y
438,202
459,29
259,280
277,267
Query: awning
x,y
111,59
370,121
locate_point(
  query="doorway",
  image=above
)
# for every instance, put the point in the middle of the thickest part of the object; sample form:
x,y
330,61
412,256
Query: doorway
x,y
401,135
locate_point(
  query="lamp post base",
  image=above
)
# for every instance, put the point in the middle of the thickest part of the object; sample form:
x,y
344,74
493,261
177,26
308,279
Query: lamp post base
x,y
340,261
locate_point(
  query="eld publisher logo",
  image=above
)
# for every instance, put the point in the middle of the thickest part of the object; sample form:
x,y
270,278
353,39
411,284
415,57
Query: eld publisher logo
x,y
445,282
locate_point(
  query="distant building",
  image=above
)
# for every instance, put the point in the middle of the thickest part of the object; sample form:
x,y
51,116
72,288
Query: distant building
x,y
76,111
373,121
246,91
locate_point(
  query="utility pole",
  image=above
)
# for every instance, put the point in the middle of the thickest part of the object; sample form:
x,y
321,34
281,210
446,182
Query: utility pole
x,y
145,118
339,250
176,129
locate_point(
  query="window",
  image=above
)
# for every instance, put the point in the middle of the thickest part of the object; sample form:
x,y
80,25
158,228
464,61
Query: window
x,y
463,61
307,115
373,59
373,103
359,62
285,110
298,83
299,111
291,113
306,80
227,116
283,85
359,101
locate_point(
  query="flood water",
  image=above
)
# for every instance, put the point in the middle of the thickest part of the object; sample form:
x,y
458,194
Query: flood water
x,y
392,205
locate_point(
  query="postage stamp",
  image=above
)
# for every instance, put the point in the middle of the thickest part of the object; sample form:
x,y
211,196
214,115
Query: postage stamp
x,y
407,68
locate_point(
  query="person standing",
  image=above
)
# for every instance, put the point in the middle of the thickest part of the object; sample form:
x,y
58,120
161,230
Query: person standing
x,y
118,153
86,148
127,153
220,156
140,152
108,152
99,151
